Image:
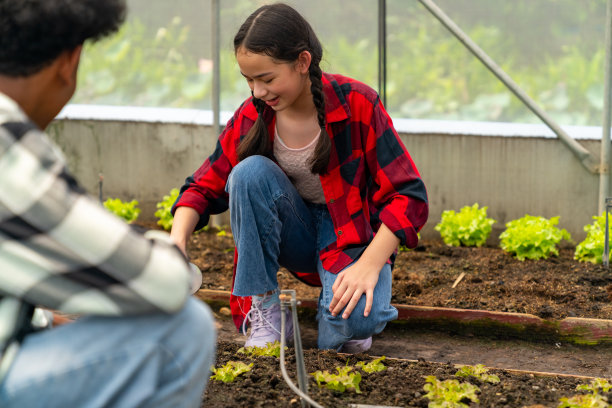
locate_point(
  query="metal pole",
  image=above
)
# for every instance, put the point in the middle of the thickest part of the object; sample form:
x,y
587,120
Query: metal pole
x,y
604,175
587,159
216,77
382,51
216,57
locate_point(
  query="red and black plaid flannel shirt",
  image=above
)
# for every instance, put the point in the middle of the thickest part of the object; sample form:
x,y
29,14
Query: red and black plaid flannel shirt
x,y
371,177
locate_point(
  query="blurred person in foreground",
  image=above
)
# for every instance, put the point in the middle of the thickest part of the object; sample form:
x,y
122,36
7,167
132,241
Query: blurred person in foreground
x,y
141,340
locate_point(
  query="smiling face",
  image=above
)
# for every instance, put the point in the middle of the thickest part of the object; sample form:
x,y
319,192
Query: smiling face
x,y
281,85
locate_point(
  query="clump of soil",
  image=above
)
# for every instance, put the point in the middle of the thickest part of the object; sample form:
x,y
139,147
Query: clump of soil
x,y
401,384
493,280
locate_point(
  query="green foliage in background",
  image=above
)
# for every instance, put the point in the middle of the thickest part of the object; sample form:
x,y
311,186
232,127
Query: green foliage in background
x,y
135,67
592,248
469,227
129,211
163,209
532,237
430,75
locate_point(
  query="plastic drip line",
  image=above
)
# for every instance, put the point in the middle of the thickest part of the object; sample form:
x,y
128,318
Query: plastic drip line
x,y
287,298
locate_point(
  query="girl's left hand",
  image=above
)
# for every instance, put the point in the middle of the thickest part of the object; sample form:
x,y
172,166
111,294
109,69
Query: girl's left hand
x,y
350,284
362,276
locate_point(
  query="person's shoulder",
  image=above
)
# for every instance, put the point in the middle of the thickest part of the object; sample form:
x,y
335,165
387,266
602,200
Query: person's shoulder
x,y
348,87
14,123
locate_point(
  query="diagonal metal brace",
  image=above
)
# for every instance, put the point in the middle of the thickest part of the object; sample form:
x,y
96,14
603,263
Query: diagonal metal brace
x,y
588,160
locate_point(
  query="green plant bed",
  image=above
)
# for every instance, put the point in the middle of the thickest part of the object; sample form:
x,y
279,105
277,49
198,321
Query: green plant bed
x,y
400,383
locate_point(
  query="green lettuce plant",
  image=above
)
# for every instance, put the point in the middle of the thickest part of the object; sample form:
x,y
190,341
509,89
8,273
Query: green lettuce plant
x,y
163,209
592,400
129,211
271,350
344,380
478,371
532,237
469,227
230,371
591,249
373,366
449,393
584,401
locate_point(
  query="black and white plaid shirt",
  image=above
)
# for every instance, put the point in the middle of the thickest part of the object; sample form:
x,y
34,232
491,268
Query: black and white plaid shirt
x,y
60,249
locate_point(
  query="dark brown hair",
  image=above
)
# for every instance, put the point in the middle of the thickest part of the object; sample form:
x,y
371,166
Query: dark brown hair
x,y
280,32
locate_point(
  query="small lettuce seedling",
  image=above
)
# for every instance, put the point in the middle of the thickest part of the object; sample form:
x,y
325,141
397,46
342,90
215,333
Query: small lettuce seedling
x,y
591,249
592,400
271,350
129,211
230,371
449,393
469,227
345,379
163,209
478,371
532,237
373,366
595,386
584,401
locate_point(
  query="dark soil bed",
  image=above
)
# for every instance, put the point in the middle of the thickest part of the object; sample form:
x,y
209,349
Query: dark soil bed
x,y
554,288
400,385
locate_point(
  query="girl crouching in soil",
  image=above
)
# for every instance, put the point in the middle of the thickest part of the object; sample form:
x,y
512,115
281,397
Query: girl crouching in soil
x,y
316,180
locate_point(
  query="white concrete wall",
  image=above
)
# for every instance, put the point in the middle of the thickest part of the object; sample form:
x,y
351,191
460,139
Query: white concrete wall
x,y
512,175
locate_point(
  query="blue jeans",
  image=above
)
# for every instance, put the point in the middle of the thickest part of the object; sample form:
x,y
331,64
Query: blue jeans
x,y
273,226
145,361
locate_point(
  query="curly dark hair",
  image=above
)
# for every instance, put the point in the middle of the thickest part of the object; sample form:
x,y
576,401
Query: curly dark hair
x,y
35,32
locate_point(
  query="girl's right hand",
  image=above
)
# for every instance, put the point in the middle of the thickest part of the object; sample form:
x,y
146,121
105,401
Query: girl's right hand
x,y
183,225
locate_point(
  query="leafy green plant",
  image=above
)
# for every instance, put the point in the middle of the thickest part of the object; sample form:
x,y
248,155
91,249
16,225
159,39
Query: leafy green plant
x,y
345,379
271,349
129,211
163,209
592,400
373,366
449,393
469,227
532,237
584,401
230,371
592,248
595,386
478,371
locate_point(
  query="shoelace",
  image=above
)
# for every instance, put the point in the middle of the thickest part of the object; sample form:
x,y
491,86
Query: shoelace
x,y
262,316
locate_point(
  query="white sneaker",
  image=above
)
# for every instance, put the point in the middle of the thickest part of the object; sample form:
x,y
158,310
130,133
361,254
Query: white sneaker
x,y
266,325
356,346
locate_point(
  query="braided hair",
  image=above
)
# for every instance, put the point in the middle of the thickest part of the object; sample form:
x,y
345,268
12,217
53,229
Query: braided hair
x,y
280,32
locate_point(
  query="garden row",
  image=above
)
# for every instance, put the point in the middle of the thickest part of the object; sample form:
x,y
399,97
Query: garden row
x,y
338,380
529,237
